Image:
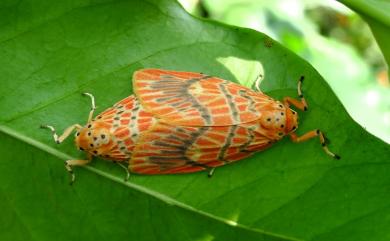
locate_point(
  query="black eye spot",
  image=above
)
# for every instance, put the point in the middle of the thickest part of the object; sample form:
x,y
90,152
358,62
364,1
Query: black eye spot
x,y
294,112
268,119
99,117
89,133
95,138
81,149
95,152
106,155
294,127
277,119
281,106
89,126
280,133
281,113
282,126
91,145
103,136
78,133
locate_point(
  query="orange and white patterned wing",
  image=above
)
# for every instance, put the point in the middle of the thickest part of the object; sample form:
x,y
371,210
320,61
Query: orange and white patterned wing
x,y
167,148
194,99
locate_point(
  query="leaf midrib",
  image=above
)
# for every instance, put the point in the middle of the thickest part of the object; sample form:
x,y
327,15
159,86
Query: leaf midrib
x,y
160,196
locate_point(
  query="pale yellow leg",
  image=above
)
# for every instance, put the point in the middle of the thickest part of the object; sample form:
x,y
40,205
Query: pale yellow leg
x,y
211,172
313,134
126,169
67,132
70,163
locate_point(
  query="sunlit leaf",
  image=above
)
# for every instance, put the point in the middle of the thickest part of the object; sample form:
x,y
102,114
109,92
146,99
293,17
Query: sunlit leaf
x,y
51,53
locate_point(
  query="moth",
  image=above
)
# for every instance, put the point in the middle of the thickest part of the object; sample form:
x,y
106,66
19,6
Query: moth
x,y
182,122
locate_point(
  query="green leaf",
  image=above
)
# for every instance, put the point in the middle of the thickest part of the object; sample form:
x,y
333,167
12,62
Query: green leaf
x,y
377,15
53,53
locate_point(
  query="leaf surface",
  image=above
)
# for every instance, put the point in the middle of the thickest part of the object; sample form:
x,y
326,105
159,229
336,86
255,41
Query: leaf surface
x,y
53,53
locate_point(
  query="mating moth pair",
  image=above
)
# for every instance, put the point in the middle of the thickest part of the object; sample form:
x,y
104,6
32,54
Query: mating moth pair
x,y
181,122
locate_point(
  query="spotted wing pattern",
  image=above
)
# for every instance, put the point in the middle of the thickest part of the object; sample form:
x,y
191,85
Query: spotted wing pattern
x,y
166,148
125,120
194,99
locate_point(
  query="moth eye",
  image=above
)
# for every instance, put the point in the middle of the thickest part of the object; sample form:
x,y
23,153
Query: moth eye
x,y
81,149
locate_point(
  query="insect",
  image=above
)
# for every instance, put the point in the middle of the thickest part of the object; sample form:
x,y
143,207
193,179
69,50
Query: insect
x,y
181,122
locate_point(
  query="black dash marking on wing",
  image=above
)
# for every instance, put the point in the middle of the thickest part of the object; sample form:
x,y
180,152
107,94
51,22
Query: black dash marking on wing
x,y
228,143
176,156
173,88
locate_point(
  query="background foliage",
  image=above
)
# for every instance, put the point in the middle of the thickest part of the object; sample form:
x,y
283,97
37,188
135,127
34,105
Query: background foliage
x,y
53,53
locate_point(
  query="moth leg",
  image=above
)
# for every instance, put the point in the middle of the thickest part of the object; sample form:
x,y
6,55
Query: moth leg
x,y
300,104
70,163
93,107
257,82
313,134
211,172
67,132
126,170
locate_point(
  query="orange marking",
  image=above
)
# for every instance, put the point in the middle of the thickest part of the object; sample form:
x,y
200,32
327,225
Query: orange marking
x,y
128,142
217,102
126,114
209,156
125,121
204,142
218,137
223,120
238,140
220,110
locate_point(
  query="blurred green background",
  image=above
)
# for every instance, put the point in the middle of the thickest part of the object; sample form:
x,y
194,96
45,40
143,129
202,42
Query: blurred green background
x,y
334,39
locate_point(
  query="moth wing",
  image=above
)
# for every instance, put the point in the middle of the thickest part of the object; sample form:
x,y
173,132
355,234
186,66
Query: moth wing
x,y
194,99
166,148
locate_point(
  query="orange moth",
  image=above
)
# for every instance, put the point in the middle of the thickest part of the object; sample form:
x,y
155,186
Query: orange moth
x,y
181,122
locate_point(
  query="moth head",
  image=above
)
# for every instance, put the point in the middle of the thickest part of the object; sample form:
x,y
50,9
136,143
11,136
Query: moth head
x,y
94,138
291,120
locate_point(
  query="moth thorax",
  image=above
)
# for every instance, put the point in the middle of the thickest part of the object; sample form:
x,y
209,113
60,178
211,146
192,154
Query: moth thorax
x,y
93,139
291,120
275,120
